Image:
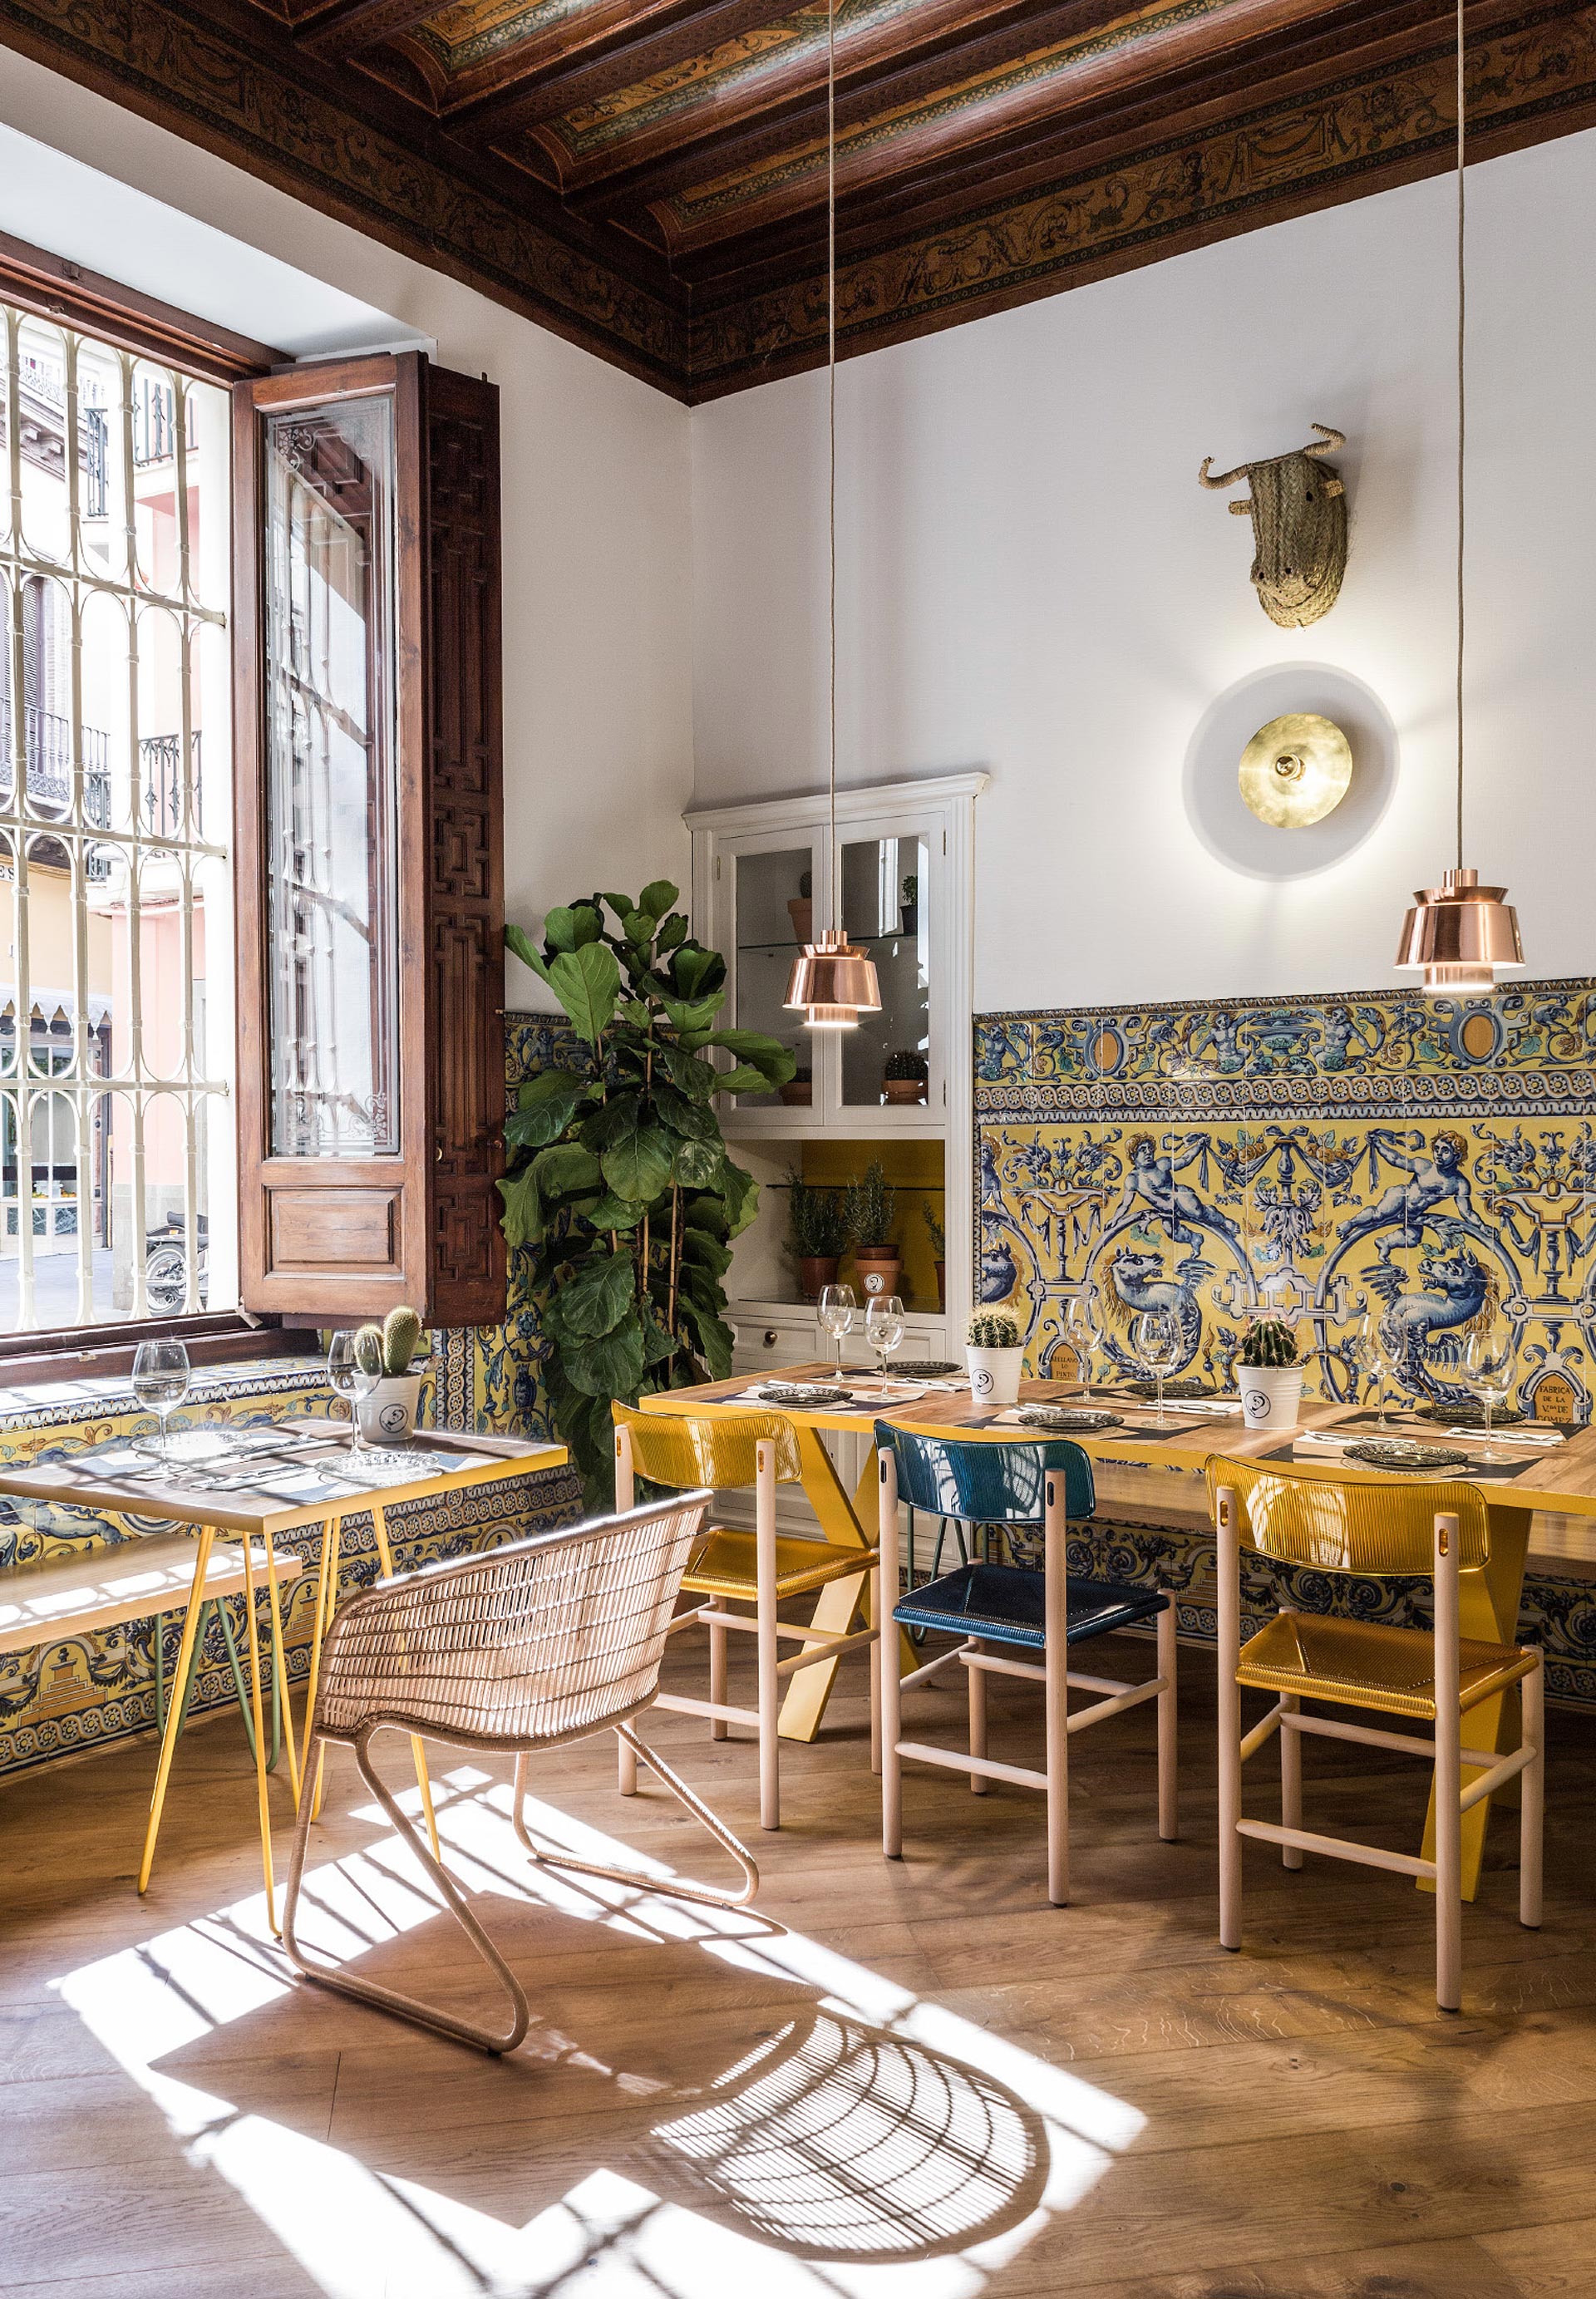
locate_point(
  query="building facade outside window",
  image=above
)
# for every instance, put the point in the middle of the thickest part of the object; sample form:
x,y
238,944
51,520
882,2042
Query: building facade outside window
x,y
118,1177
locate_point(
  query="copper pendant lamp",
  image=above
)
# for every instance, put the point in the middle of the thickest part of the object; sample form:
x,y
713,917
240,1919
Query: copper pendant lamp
x,y
831,983
1460,935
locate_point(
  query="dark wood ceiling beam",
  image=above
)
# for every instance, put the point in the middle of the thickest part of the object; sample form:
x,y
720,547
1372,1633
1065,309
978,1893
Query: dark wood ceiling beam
x,y
612,59
601,28
741,147
343,27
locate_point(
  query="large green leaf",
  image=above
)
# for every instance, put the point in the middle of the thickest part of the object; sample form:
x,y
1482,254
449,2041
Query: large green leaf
x,y
602,1292
523,1216
740,1079
612,1121
610,1365
697,1080
692,1017
544,1106
658,1345
566,1169
741,1194
692,1119
587,982
695,971
518,943
706,1251
573,929
673,930
658,896
611,1212
696,1165
638,1166
775,1062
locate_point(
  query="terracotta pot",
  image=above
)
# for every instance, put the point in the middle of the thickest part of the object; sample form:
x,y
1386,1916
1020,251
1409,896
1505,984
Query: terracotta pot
x,y
940,1268
798,1092
879,1268
815,1270
801,909
902,1089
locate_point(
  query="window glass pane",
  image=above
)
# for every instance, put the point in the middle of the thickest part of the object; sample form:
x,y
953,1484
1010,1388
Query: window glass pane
x,y
774,912
882,882
330,780
113,1061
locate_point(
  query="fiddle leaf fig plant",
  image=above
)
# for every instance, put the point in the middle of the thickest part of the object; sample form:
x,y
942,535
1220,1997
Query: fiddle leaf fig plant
x,y
620,1194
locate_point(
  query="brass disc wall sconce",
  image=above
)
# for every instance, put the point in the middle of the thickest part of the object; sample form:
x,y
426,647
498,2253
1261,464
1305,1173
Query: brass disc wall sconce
x,y
1295,770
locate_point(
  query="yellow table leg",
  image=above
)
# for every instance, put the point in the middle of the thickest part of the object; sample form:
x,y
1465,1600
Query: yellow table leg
x,y
261,1798
174,1707
379,1526
842,1521
327,1603
279,1666
1488,1605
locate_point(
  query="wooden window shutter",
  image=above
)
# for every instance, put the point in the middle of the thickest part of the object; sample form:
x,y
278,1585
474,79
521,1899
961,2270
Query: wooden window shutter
x,y
369,842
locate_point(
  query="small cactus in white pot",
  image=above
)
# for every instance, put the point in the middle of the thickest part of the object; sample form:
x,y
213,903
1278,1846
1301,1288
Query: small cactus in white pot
x,y
1268,1375
388,1414
994,1353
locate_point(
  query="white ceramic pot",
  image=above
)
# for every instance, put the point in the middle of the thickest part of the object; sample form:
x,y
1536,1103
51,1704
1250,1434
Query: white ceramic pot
x,y
994,1375
388,1415
1271,1396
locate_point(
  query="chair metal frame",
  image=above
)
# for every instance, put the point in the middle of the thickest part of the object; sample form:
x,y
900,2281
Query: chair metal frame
x,y
764,1623
1456,1533
409,1622
1053,1672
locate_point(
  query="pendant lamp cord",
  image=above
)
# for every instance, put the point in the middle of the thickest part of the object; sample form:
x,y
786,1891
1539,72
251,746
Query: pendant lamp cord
x,y
831,432
1462,411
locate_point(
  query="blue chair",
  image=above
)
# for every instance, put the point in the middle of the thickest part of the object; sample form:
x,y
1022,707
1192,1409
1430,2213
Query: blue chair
x,y
998,1611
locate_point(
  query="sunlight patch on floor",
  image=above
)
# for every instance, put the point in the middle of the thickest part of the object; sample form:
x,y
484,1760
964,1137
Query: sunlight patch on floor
x,y
873,2146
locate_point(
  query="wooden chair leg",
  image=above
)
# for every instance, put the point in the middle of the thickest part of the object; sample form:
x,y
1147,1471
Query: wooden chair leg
x,y
719,1728
770,1683
1533,1798
1291,1779
1449,1773
978,1785
1168,1707
885,1649
1229,1568
625,1487
1055,1630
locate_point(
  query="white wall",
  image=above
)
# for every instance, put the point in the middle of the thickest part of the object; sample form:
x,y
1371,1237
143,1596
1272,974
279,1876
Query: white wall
x,y
597,695
1031,580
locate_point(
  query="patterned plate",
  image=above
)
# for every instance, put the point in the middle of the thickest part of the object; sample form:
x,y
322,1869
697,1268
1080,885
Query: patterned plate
x,y
1402,1453
1190,1386
803,1393
1470,1415
1068,1420
923,1368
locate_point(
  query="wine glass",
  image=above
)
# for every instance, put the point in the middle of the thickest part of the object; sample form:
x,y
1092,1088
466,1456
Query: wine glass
x,y
161,1380
353,1369
884,1327
1487,1371
1155,1337
1083,1330
837,1309
1373,1355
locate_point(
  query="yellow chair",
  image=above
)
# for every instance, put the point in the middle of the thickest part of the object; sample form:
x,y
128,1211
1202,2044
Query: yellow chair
x,y
1378,1530
735,1452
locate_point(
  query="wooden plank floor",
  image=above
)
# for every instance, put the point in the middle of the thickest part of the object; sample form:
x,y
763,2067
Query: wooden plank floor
x,y
928,2084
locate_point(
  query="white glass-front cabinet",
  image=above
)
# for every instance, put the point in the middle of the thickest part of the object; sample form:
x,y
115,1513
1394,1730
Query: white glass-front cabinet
x,y
762,887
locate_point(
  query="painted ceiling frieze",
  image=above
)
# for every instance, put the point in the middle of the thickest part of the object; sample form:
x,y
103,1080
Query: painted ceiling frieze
x,y
1191,189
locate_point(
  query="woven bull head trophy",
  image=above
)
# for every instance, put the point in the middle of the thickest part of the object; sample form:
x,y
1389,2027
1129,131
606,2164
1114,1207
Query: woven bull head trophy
x,y
1299,508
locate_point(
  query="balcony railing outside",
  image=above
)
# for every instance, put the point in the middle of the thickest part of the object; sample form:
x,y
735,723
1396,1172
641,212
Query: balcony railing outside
x,y
47,748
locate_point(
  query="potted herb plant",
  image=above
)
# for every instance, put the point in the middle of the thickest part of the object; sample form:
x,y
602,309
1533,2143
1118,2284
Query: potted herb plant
x,y
800,909
994,1353
387,1415
939,1252
817,1234
904,1078
1269,1377
870,1207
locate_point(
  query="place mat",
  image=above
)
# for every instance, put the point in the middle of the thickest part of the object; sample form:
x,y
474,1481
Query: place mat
x,y
1206,1405
1539,1436
1071,1421
853,1400
1469,1472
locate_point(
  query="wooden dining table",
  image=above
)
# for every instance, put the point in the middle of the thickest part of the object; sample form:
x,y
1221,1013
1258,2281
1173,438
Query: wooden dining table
x,y
1560,1477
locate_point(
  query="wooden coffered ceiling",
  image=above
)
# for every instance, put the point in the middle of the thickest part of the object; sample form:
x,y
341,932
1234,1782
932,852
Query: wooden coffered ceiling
x,y
649,175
